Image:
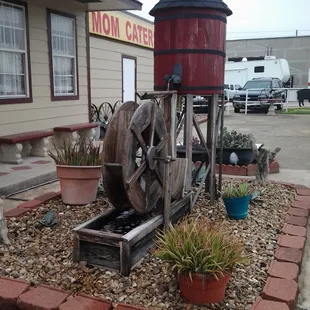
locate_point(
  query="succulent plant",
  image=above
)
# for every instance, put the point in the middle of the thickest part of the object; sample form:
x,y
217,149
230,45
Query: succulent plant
x,y
234,139
195,142
273,154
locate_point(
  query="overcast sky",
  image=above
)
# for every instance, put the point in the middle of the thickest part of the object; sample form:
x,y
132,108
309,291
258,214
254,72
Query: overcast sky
x,y
259,18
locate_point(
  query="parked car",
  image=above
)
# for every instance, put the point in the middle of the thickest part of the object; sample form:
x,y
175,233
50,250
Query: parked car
x,y
231,90
261,91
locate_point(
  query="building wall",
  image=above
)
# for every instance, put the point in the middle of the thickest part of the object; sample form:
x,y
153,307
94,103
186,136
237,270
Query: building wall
x,y
106,68
296,50
43,113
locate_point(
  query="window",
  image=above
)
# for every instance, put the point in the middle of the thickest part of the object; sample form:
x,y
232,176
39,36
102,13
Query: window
x,y
231,87
63,56
259,69
14,55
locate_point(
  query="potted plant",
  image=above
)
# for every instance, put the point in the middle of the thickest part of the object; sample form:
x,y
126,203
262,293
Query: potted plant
x,y
236,200
237,148
202,255
79,170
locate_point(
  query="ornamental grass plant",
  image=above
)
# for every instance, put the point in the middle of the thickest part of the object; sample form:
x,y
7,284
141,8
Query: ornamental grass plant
x,y
198,246
235,190
82,153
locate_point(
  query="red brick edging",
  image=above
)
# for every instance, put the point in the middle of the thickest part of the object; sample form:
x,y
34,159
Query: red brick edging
x,y
281,288
280,291
248,170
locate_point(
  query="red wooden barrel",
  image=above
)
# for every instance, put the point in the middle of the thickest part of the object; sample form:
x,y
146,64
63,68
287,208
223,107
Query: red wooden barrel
x,y
194,35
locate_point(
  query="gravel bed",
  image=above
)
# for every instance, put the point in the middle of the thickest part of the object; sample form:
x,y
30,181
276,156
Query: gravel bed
x,y
44,255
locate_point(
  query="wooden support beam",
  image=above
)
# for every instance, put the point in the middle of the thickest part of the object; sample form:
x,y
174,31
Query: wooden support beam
x,y
188,133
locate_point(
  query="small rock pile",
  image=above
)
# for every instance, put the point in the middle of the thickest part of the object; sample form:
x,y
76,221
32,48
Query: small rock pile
x,y
44,255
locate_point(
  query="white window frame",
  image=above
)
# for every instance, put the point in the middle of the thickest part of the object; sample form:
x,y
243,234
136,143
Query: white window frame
x,y
24,51
67,95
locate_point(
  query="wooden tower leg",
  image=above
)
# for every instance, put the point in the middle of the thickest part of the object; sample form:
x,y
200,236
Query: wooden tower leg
x,y
211,142
188,133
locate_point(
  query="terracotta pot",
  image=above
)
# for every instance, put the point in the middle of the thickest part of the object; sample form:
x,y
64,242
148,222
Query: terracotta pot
x,y
201,290
78,185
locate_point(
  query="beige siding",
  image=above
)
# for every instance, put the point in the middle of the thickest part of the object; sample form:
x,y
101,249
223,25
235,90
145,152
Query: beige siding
x,y
106,68
43,113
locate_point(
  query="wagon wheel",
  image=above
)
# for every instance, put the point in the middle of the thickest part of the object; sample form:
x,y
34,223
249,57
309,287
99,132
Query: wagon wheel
x,y
94,113
143,175
105,112
114,142
117,105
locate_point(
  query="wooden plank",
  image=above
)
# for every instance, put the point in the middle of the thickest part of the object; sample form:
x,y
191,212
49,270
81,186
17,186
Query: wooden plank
x,y
76,247
179,167
141,231
100,237
189,135
125,258
167,193
100,255
155,94
200,134
172,129
200,186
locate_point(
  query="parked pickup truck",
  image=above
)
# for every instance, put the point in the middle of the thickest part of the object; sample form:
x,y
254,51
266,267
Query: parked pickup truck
x,y
261,91
230,90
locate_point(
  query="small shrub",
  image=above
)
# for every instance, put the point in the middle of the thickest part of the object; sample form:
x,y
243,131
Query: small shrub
x,y
234,139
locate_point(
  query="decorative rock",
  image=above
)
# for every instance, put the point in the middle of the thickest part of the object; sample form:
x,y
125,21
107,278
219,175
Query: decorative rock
x,y
296,220
283,270
42,298
261,304
291,242
288,255
294,230
128,307
282,290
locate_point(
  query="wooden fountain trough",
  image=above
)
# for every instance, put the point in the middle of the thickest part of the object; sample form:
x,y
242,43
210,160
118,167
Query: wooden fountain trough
x,y
116,251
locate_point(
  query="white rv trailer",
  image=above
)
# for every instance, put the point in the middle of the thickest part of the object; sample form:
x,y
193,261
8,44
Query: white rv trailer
x,y
241,72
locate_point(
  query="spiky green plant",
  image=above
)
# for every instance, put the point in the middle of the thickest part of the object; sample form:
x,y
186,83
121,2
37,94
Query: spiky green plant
x,y
234,139
235,190
82,153
199,246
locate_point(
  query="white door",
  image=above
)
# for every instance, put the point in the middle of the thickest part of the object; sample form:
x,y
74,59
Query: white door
x,y
129,79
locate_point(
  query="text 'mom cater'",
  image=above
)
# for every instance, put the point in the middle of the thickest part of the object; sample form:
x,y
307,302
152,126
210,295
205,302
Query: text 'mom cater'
x,y
123,27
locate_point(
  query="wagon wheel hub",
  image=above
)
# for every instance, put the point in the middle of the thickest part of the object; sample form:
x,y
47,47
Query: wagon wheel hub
x,y
150,158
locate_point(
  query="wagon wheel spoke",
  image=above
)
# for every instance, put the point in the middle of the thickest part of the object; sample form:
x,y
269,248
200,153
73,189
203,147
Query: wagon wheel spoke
x,y
140,139
158,177
162,143
148,185
136,175
153,124
105,112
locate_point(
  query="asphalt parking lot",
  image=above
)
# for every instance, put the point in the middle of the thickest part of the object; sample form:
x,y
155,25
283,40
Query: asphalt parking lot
x,y
289,132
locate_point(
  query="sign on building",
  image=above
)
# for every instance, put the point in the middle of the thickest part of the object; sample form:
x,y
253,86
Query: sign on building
x,y
122,27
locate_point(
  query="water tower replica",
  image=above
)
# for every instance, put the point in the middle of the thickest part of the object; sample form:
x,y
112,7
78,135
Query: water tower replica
x,y
189,57
148,185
